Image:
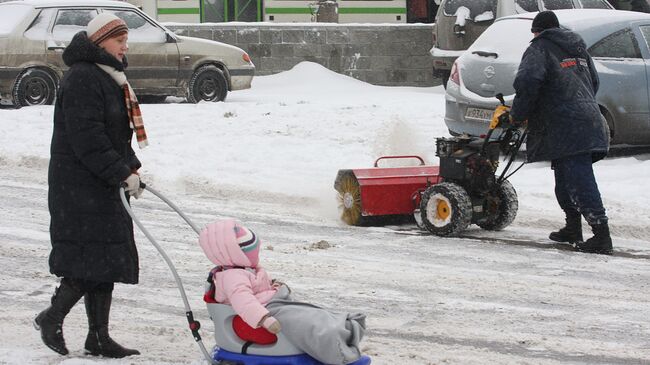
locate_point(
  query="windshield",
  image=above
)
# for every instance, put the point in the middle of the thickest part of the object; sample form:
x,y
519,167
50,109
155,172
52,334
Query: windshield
x,y
507,38
11,15
558,4
594,4
525,6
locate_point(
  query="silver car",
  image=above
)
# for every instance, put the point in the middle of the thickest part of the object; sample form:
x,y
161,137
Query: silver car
x,y
618,41
33,34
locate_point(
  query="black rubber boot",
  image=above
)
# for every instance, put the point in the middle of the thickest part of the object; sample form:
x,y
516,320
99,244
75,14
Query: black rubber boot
x,y
572,232
601,242
50,321
98,342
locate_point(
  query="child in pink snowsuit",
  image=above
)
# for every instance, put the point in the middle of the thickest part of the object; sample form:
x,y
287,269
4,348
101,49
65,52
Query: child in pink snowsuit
x,y
330,337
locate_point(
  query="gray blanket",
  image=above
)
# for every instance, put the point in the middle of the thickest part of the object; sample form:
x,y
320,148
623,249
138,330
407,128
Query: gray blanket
x,y
328,336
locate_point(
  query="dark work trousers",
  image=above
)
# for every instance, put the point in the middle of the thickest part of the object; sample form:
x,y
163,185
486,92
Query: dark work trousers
x,y
576,188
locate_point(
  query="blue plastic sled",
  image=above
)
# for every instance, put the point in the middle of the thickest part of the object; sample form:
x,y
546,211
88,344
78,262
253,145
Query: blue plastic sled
x,y
302,359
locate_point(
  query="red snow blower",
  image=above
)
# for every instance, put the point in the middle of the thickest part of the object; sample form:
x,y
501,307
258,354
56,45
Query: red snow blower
x,y
444,199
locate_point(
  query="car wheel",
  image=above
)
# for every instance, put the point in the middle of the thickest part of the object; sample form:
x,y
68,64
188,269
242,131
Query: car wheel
x,y
446,209
34,86
152,99
207,83
501,206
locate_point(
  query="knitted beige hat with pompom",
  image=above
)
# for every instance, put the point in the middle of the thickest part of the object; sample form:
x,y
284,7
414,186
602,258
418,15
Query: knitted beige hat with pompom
x,y
105,26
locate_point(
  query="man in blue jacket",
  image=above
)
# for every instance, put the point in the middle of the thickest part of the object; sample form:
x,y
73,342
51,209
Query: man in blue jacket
x,y
555,89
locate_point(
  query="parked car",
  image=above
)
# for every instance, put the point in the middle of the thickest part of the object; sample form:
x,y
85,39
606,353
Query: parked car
x,y
33,34
618,41
460,22
634,5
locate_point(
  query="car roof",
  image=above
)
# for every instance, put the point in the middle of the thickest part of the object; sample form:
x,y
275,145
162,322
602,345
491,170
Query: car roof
x,y
592,24
64,3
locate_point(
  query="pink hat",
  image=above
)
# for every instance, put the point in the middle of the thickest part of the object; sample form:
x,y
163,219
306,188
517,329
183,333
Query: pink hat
x,y
226,242
248,242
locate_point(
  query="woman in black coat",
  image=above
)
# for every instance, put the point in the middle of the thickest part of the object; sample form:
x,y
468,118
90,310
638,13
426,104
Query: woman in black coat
x,y
91,156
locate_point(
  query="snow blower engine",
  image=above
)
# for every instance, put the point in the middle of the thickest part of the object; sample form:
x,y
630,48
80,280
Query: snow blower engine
x,y
464,189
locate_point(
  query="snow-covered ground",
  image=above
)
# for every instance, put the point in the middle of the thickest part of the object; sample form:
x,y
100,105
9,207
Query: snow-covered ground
x,y
268,156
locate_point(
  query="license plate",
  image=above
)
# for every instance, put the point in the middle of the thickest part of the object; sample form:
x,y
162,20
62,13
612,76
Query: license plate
x,y
479,114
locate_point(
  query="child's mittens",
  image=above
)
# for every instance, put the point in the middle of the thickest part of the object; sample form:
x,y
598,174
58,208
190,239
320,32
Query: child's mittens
x,y
271,324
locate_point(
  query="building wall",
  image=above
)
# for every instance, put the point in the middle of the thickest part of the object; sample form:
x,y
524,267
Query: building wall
x,y
379,54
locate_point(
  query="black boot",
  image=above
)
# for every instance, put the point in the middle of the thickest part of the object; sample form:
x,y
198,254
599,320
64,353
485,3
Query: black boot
x,y
601,242
572,232
50,321
98,342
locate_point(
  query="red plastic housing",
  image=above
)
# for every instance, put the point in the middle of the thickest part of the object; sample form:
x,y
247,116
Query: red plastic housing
x,y
393,190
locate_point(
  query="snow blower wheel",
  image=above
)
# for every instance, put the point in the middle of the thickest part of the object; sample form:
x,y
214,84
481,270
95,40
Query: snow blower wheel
x,y
501,207
349,196
446,209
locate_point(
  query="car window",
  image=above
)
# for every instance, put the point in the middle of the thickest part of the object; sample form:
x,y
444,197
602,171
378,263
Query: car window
x,y
594,4
70,21
527,6
621,44
558,4
38,29
11,15
476,7
645,31
140,29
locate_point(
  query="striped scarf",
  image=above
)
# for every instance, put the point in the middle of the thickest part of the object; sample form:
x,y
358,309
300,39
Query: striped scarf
x,y
132,106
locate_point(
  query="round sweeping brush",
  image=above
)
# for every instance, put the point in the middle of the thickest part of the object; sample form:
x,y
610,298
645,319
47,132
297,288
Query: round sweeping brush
x,y
349,199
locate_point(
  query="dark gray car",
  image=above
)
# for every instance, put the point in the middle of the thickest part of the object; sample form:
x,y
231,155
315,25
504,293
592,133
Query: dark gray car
x,y
460,22
617,40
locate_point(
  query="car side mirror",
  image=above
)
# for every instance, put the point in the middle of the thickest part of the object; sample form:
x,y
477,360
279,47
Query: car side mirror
x,y
170,38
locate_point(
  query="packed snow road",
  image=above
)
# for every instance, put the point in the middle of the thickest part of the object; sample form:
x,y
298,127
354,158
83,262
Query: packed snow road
x,y
268,157
429,300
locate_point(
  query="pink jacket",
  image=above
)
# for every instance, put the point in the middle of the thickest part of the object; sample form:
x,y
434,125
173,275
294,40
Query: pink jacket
x,y
247,289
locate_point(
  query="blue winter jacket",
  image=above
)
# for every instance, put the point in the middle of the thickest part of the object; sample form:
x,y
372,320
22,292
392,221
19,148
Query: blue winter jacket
x,y
556,87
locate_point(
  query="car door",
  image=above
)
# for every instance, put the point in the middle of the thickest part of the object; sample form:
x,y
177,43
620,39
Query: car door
x,y
643,33
65,24
623,84
153,56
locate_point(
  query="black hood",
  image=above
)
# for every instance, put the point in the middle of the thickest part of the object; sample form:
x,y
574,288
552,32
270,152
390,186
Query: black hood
x,y
81,49
572,43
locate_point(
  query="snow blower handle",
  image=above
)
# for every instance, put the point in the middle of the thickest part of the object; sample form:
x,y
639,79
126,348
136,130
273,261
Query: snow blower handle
x,y
500,119
501,115
400,156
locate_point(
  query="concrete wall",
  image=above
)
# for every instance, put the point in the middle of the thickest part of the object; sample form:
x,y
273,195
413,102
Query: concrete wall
x,y
379,54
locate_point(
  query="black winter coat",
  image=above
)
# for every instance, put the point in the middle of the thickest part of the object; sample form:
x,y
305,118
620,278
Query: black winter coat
x,y
556,87
91,232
